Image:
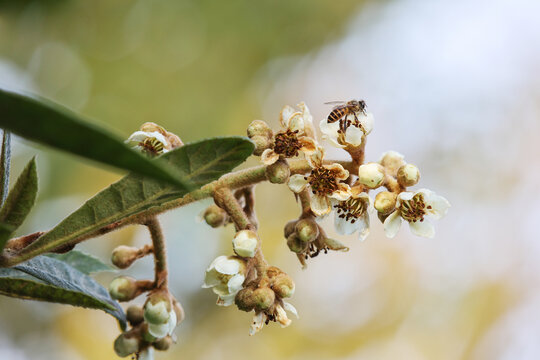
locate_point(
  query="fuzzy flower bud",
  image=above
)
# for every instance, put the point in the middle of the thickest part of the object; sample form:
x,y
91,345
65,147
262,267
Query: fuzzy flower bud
x,y
259,128
157,309
385,202
261,143
263,298
371,175
408,175
163,344
295,244
135,315
126,345
278,172
283,285
123,288
392,160
244,300
289,228
215,216
245,243
123,256
307,230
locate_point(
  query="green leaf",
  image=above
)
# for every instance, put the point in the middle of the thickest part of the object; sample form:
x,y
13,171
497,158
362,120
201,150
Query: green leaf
x,y
5,166
46,122
83,262
53,280
19,202
201,162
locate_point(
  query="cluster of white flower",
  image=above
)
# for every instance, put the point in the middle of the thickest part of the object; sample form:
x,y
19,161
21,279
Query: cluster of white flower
x,y
334,188
227,277
327,186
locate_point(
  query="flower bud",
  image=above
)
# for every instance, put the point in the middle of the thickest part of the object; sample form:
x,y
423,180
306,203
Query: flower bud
x,y
123,288
278,172
123,256
283,286
245,243
126,345
215,216
307,230
290,228
295,244
244,299
135,315
157,309
261,143
392,160
163,344
371,175
259,128
385,202
408,175
264,298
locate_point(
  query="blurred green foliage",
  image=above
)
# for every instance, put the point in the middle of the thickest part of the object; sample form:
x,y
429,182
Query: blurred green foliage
x,y
194,67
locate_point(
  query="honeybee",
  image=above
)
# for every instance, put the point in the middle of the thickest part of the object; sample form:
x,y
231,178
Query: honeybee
x,y
345,108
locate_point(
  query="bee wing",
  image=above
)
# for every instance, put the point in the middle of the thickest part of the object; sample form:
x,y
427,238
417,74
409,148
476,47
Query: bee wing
x,y
335,102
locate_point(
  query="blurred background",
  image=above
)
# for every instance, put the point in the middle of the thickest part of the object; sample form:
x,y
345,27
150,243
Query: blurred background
x,y
454,85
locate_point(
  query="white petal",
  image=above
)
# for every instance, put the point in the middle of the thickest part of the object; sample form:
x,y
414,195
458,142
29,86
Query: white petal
x,y
287,306
367,122
392,224
405,196
269,156
296,123
211,278
297,183
354,136
226,300
138,136
320,205
235,283
330,130
363,226
228,266
281,317
344,227
316,159
309,129
158,331
285,115
257,323
439,206
172,321
342,193
422,228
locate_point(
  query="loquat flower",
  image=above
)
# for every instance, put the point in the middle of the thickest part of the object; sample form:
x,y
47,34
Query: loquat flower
x,y
296,137
348,132
225,275
415,208
324,183
352,215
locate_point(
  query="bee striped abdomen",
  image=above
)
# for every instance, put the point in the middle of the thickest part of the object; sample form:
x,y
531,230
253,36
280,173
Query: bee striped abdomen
x,y
336,115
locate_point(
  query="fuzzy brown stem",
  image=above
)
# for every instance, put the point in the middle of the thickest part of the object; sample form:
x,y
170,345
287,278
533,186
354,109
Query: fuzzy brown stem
x,y
160,254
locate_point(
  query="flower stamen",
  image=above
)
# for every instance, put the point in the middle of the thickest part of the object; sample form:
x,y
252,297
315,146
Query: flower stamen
x,y
286,143
415,209
323,181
